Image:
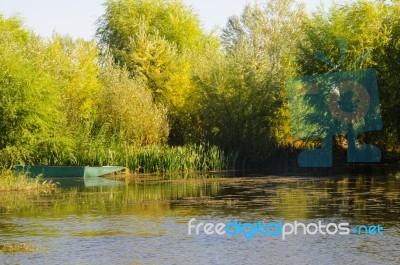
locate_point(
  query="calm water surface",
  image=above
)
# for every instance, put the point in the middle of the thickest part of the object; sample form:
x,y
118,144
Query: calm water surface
x,y
146,222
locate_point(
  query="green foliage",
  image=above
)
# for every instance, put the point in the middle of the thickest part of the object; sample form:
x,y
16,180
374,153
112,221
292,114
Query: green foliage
x,y
61,103
157,78
360,23
170,19
367,26
159,42
242,90
103,150
75,65
151,59
150,38
388,66
10,181
30,115
126,109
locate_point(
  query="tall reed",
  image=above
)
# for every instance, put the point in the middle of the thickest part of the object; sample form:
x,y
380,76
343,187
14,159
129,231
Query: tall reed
x,y
155,158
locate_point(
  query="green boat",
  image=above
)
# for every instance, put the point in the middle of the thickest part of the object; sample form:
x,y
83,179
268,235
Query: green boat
x,y
68,171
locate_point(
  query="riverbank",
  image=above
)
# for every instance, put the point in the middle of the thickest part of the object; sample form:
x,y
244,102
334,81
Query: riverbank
x,y
10,181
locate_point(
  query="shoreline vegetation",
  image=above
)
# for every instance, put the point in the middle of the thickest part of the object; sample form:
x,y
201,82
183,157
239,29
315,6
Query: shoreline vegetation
x,y
10,181
145,160
153,91
161,159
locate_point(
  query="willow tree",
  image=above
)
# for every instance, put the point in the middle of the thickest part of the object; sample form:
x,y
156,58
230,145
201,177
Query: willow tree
x,y
158,43
367,26
32,124
126,109
170,19
76,66
243,91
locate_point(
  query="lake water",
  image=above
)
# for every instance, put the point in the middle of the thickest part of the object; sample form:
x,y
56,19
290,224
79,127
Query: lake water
x,y
146,222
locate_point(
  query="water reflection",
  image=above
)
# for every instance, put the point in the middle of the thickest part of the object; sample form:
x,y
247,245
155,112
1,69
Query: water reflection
x,y
145,221
107,199
359,198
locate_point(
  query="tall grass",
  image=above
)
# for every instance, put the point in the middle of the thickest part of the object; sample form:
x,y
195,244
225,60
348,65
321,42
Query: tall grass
x,y
155,158
9,181
100,150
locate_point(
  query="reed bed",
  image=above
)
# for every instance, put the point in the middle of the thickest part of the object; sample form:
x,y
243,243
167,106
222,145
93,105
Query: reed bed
x,y
156,159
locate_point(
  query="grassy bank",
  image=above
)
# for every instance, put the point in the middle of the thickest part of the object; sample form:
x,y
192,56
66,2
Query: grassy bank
x,y
9,181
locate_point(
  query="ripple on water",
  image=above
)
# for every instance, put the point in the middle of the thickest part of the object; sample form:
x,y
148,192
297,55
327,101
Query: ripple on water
x,y
146,223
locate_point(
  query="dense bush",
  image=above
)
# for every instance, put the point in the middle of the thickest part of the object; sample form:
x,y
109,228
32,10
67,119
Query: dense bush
x,y
159,43
154,78
127,109
32,123
243,89
371,30
61,103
